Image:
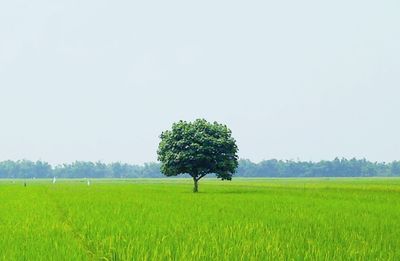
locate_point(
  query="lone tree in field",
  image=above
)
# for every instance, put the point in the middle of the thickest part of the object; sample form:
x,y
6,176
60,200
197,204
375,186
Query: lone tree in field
x,y
198,148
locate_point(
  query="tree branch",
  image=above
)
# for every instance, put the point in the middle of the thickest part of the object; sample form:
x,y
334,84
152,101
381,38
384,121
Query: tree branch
x,y
201,176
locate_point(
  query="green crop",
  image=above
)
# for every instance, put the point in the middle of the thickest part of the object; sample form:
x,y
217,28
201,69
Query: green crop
x,y
246,219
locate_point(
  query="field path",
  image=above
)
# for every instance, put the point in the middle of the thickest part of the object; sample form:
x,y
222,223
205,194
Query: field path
x,y
68,225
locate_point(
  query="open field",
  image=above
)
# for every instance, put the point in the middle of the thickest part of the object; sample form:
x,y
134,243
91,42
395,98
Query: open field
x,y
246,219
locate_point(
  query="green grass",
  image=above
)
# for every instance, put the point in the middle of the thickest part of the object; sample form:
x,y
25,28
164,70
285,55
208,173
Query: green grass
x,y
246,219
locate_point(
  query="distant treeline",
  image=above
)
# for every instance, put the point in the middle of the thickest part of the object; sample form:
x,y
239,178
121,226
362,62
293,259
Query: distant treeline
x,y
267,168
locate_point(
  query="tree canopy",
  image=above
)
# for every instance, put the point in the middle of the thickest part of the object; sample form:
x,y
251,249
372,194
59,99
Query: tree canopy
x,y
198,148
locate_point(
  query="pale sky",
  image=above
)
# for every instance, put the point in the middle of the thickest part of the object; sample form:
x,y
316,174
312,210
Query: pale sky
x,y
100,80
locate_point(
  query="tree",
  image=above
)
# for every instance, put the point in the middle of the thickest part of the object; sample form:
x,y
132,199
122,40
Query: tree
x,y
395,168
198,148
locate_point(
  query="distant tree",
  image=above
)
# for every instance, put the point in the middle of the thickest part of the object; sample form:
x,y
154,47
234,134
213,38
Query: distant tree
x,y
246,168
117,170
395,168
151,170
198,148
267,168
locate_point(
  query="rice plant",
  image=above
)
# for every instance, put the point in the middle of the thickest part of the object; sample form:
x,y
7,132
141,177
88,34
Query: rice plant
x,y
246,219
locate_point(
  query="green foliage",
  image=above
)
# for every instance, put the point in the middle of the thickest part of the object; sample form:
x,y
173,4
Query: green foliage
x,y
335,168
268,168
271,219
25,169
198,148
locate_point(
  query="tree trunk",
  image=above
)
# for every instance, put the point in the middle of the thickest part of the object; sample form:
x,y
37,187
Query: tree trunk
x,y
196,185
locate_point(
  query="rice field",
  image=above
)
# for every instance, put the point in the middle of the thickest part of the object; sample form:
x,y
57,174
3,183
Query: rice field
x,y
245,219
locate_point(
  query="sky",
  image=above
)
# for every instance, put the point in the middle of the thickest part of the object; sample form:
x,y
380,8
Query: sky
x,y
100,80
